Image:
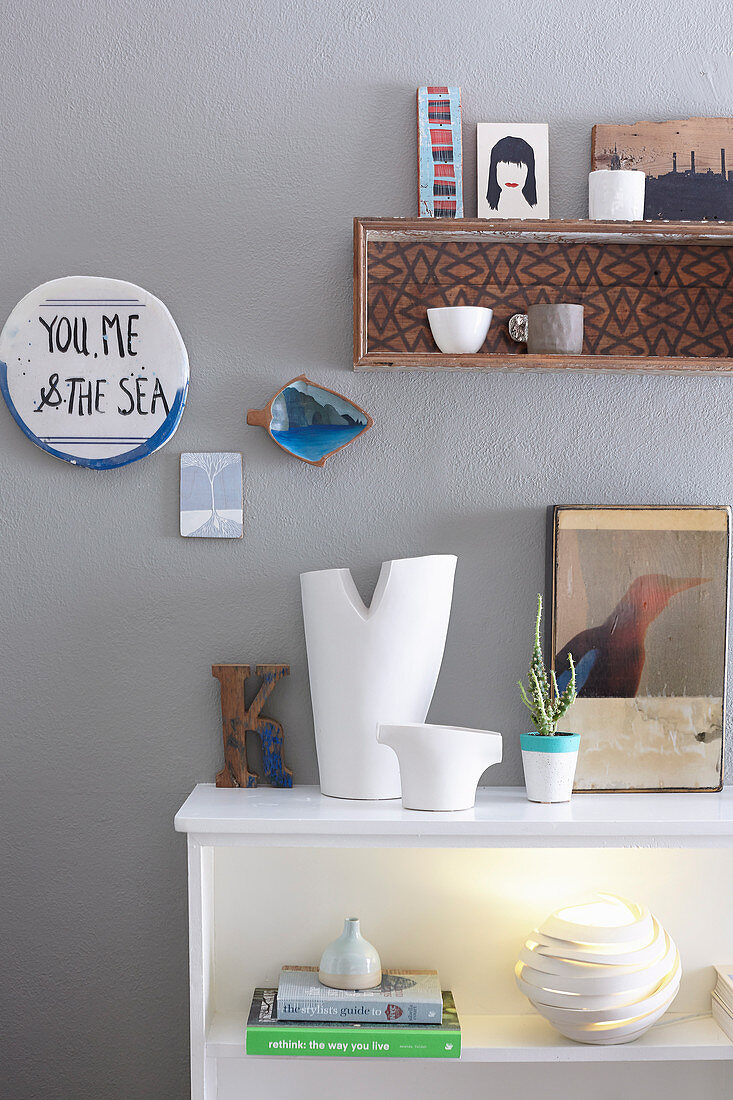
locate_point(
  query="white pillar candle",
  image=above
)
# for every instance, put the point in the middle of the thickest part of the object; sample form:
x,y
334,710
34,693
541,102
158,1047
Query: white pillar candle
x,y
616,195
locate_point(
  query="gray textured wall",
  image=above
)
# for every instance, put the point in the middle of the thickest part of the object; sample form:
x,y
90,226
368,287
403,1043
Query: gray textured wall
x,y
215,154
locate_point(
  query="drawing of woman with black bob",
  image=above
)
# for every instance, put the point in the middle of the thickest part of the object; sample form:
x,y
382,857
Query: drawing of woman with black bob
x,y
512,190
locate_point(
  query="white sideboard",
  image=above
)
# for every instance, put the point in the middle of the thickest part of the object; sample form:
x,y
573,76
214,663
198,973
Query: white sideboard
x,y
273,872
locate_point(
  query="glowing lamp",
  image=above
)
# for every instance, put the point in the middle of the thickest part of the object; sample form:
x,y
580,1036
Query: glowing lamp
x,y
602,971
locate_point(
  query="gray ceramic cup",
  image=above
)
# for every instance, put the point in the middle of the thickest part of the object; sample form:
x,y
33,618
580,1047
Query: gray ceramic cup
x,y
549,329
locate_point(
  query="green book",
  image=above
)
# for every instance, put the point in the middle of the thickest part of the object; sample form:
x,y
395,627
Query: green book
x,y
282,1038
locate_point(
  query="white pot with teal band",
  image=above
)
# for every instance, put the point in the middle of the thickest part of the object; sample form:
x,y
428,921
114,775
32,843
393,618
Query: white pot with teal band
x,y
549,765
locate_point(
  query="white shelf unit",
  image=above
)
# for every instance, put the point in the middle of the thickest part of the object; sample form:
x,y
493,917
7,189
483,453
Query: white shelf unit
x,y
265,818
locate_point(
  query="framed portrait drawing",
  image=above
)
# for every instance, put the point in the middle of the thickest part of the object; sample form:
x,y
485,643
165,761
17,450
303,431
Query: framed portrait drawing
x,y
513,170
640,600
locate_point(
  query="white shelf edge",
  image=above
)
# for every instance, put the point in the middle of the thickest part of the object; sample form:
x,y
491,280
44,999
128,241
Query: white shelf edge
x,y
529,1038
502,817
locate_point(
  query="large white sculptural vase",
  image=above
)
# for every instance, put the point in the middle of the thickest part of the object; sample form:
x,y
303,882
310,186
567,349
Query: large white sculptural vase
x,y
602,971
372,664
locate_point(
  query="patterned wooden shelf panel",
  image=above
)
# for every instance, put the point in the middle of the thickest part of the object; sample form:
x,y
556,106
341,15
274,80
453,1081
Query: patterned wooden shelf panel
x,y
658,296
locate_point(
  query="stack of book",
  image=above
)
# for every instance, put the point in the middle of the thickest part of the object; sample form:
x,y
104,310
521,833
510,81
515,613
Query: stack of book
x,y
723,1000
406,1016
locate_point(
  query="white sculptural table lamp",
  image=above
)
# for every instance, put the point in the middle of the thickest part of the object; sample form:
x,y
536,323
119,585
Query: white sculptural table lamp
x,y
602,971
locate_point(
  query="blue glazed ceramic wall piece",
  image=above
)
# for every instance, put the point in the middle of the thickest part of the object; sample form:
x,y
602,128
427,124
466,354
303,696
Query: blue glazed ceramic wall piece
x,y
94,370
310,422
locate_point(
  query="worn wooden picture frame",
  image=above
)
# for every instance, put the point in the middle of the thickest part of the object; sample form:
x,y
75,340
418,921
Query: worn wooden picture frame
x,y
640,599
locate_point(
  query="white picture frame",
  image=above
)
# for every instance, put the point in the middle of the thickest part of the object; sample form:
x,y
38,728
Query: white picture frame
x,y
513,169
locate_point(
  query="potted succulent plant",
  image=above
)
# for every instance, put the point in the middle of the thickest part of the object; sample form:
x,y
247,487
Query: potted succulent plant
x,y
549,757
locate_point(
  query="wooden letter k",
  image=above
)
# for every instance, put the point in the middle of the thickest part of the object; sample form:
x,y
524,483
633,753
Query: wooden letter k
x,y
238,720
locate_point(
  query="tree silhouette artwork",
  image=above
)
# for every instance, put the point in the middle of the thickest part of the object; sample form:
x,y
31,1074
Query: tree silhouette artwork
x,y
194,497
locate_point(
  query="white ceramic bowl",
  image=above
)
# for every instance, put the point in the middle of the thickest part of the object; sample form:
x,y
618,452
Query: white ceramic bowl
x,y
459,330
440,766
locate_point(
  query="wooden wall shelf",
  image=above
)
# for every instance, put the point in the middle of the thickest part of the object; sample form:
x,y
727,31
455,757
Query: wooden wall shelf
x,y
658,296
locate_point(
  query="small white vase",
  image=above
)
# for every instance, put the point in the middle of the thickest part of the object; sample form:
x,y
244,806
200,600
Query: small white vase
x,y
372,664
549,765
616,195
350,962
440,766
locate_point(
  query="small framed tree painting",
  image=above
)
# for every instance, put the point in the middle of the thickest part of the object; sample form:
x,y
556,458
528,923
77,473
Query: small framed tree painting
x,y
641,603
513,170
211,495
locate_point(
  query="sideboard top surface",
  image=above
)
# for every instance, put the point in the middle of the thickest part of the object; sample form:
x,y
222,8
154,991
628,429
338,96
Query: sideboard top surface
x,y
502,817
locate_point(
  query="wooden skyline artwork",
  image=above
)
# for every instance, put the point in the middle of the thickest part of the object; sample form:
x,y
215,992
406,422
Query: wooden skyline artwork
x,y
439,152
688,165
238,720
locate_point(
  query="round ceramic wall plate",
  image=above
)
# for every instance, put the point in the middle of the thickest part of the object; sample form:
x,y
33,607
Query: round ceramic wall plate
x,y
94,370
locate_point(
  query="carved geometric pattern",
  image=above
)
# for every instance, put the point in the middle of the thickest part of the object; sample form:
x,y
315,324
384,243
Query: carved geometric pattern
x,y
643,299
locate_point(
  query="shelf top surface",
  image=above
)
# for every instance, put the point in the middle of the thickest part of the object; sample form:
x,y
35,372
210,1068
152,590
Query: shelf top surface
x,y
501,815
570,229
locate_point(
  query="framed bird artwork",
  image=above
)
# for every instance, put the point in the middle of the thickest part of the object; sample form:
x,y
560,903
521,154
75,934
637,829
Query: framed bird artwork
x,y
640,600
